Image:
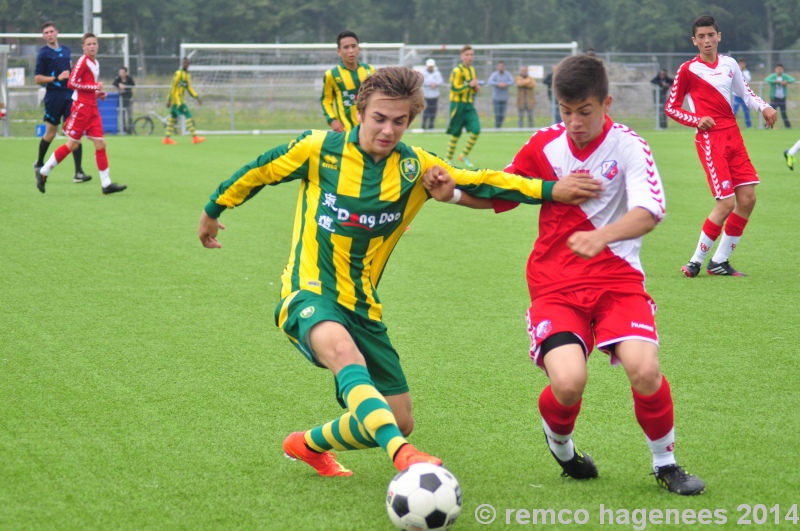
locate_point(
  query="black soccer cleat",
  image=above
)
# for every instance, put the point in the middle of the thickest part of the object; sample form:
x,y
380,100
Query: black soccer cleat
x,y
675,479
723,269
691,270
40,179
113,188
81,177
581,466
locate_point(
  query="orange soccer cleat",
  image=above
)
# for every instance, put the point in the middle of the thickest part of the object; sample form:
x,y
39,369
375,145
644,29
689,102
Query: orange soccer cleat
x,y
198,139
407,455
167,140
294,446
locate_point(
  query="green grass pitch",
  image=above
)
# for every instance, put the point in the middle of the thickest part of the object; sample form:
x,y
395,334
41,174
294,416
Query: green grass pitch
x,y
143,384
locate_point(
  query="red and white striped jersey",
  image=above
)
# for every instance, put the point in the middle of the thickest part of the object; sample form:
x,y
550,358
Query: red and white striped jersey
x,y
708,88
83,80
623,161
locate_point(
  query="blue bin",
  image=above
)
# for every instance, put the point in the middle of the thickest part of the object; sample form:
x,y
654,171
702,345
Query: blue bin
x,y
109,113
40,129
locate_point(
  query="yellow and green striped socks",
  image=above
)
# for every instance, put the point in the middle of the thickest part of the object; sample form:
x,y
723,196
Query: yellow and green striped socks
x,y
369,423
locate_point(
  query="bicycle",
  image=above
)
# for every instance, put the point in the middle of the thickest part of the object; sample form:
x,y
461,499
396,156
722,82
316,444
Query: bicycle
x,y
143,125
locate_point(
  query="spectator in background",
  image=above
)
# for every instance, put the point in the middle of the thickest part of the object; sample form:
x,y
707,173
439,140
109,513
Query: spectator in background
x,y
778,81
548,81
500,80
739,102
432,78
124,82
664,83
526,100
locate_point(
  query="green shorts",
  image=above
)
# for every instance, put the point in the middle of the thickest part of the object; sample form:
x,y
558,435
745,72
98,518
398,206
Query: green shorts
x,y
300,311
176,110
463,115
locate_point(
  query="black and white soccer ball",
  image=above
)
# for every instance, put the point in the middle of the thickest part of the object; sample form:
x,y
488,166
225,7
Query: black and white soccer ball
x,y
424,496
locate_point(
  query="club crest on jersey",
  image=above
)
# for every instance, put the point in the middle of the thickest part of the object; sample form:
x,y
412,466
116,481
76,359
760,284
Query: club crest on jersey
x,y
730,73
609,169
409,168
558,171
543,329
307,312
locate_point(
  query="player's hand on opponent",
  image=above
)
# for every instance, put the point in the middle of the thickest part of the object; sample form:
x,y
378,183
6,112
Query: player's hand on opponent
x,y
207,231
706,123
439,183
576,188
770,116
586,244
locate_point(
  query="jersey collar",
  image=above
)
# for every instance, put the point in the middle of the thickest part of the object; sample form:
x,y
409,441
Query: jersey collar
x,y
586,152
710,65
344,67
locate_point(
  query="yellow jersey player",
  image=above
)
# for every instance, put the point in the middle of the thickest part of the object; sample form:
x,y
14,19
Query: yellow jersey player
x,y
358,191
342,82
181,82
463,88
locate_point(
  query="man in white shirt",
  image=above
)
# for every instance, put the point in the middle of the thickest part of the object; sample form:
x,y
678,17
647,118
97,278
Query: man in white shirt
x,y
430,89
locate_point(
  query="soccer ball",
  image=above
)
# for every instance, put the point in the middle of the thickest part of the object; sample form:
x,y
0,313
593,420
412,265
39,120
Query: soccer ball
x,y
424,496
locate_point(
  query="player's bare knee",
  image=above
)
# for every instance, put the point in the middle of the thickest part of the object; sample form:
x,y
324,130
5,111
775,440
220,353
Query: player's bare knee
x,y
746,202
347,350
568,392
646,378
724,207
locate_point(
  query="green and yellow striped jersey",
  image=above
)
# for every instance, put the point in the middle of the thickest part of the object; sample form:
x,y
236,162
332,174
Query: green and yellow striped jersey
x,y
351,211
181,82
339,93
460,78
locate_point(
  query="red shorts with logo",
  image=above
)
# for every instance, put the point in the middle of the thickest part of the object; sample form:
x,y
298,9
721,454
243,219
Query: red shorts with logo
x,y
84,120
597,316
725,160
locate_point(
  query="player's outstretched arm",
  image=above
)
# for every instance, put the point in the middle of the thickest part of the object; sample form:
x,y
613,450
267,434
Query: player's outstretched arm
x,y
442,187
576,188
207,231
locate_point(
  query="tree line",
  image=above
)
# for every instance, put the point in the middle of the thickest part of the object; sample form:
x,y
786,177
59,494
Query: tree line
x,y
157,27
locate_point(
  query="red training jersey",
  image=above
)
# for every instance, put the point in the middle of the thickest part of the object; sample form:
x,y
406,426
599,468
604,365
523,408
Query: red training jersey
x,y
83,80
707,88
623,161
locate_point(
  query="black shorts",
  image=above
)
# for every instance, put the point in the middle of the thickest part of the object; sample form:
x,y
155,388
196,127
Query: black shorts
x,y
57,106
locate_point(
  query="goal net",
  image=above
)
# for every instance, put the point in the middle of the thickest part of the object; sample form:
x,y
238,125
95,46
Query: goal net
x,y
277,87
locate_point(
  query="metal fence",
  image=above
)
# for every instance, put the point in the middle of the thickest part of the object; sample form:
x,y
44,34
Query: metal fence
x,y
287,104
